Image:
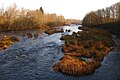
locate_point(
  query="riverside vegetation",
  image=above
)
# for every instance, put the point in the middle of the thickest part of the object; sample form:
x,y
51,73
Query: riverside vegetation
x,y
84,51
14,18
107,18
7,41
54,30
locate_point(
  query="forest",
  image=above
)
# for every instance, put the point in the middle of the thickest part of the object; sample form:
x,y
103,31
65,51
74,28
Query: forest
x,y
107,18
14,18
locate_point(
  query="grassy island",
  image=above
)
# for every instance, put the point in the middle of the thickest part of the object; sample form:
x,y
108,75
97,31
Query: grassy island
x,y
54,30
84,51
6,41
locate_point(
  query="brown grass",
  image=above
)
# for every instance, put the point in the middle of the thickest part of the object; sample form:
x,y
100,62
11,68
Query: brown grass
x,y
92,44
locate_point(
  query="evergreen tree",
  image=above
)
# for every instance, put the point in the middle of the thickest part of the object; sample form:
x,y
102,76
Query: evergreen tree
x,y
41,10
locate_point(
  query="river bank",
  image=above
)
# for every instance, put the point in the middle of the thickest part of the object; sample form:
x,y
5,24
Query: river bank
x,y
84,51
33,58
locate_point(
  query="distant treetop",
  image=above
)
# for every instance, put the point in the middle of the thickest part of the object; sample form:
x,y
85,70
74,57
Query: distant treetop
x,y
41,10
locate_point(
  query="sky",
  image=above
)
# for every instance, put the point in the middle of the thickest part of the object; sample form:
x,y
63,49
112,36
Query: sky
x,y
71,9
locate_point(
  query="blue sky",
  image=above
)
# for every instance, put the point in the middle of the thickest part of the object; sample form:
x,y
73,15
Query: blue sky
x,y
75,9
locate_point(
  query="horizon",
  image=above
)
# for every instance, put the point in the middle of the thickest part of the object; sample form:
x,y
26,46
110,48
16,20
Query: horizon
x,y
73,9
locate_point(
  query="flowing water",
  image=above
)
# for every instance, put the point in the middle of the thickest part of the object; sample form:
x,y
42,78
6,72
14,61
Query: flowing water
x,y
32,59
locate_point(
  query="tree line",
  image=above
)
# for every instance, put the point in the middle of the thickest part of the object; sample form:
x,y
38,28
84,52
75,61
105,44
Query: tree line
x,y
102,16
14,18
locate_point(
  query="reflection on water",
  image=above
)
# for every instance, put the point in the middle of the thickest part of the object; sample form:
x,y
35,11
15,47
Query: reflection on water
x,y
72,28
33,59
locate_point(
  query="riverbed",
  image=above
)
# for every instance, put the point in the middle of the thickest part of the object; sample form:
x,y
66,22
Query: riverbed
x,y
32,59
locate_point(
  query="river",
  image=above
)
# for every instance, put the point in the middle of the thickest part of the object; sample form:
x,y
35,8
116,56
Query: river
x,y
32,59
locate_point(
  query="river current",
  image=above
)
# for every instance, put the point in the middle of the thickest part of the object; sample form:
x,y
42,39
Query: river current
x,y
32,59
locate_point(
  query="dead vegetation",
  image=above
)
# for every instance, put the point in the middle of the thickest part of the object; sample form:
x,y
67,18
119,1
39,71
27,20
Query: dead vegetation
x,y
7,41
84,51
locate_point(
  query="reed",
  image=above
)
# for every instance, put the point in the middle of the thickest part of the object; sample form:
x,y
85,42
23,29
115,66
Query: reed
x,y
84,53
7,41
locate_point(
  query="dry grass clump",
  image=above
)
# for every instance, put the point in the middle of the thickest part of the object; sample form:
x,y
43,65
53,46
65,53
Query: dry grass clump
x,y
91,44
54,30
31,35
36,35
70,65
7,41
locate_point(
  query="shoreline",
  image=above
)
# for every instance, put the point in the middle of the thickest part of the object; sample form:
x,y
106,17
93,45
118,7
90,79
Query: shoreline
x,y
82,50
